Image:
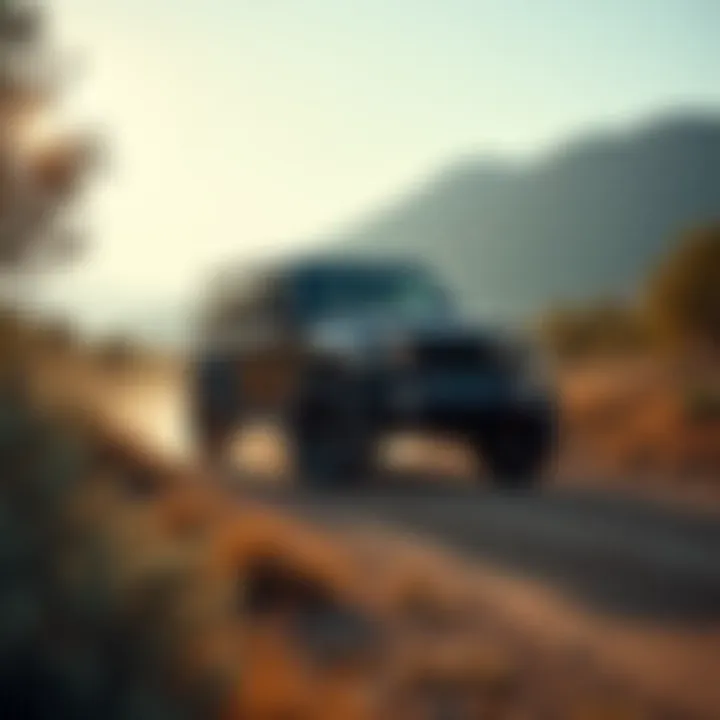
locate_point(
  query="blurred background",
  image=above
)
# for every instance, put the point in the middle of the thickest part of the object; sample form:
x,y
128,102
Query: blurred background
x,y
557,165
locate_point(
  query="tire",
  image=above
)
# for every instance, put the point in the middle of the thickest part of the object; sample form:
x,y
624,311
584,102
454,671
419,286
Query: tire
x,y
215,407
516,456
322,462
331,440
212,436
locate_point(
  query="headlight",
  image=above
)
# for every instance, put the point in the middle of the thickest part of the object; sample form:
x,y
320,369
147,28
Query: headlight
x,y
335,341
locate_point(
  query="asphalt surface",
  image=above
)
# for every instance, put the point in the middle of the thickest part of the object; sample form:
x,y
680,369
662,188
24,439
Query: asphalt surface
x,y
623,557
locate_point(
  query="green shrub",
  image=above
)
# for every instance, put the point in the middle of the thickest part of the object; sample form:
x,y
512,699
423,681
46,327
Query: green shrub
x,y
84,611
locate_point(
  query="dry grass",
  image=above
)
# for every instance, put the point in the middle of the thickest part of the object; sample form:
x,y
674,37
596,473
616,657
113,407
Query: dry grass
x,y
450,638
642,425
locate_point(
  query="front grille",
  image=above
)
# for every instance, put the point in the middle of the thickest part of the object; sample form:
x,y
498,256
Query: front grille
x,y
456,354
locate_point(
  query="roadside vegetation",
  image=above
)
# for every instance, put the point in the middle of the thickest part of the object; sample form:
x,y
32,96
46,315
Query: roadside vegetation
x,y
135,587
676,313
640,380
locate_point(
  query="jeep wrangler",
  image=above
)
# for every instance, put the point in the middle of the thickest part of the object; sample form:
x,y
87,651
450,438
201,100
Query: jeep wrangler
x,y
343,351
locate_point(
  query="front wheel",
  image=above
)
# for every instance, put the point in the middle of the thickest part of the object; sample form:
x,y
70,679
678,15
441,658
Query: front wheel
x,y
327,461
331,441
215,407
516,455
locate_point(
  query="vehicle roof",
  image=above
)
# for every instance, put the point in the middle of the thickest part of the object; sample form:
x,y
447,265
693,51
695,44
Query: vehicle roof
x,y
243,279
293,265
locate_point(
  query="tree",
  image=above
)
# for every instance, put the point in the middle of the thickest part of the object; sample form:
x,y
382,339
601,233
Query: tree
x,y
38,180
683,295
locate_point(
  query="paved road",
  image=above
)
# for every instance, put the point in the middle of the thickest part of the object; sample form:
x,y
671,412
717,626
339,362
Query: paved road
x,y
620,556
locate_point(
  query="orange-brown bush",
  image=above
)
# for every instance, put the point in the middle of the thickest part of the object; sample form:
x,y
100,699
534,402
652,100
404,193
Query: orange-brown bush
x,y
650,423
596,329
683,294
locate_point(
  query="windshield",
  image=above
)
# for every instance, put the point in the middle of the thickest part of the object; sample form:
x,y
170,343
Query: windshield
x,y
323,293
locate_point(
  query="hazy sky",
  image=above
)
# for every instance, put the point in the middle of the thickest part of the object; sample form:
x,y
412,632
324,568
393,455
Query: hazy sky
x,y
238,125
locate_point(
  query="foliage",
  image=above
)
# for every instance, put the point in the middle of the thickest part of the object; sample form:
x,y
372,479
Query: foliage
x,y
38,178
680,307
101,606
683,294
604,328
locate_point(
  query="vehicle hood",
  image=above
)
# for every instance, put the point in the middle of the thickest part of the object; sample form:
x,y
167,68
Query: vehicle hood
x,y
378,333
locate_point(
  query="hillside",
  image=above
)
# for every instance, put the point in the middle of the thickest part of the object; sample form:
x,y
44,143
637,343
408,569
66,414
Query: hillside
x,y
589,218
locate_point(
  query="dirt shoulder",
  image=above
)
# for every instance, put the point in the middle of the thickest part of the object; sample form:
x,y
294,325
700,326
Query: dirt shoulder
x,y
646,428
567,653
454,633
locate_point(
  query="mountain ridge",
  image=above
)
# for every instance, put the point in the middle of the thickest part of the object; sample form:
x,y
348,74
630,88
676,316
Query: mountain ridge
x,y
589,218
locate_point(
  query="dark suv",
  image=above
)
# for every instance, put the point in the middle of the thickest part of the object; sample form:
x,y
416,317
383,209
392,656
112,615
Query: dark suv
x,y
345,350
